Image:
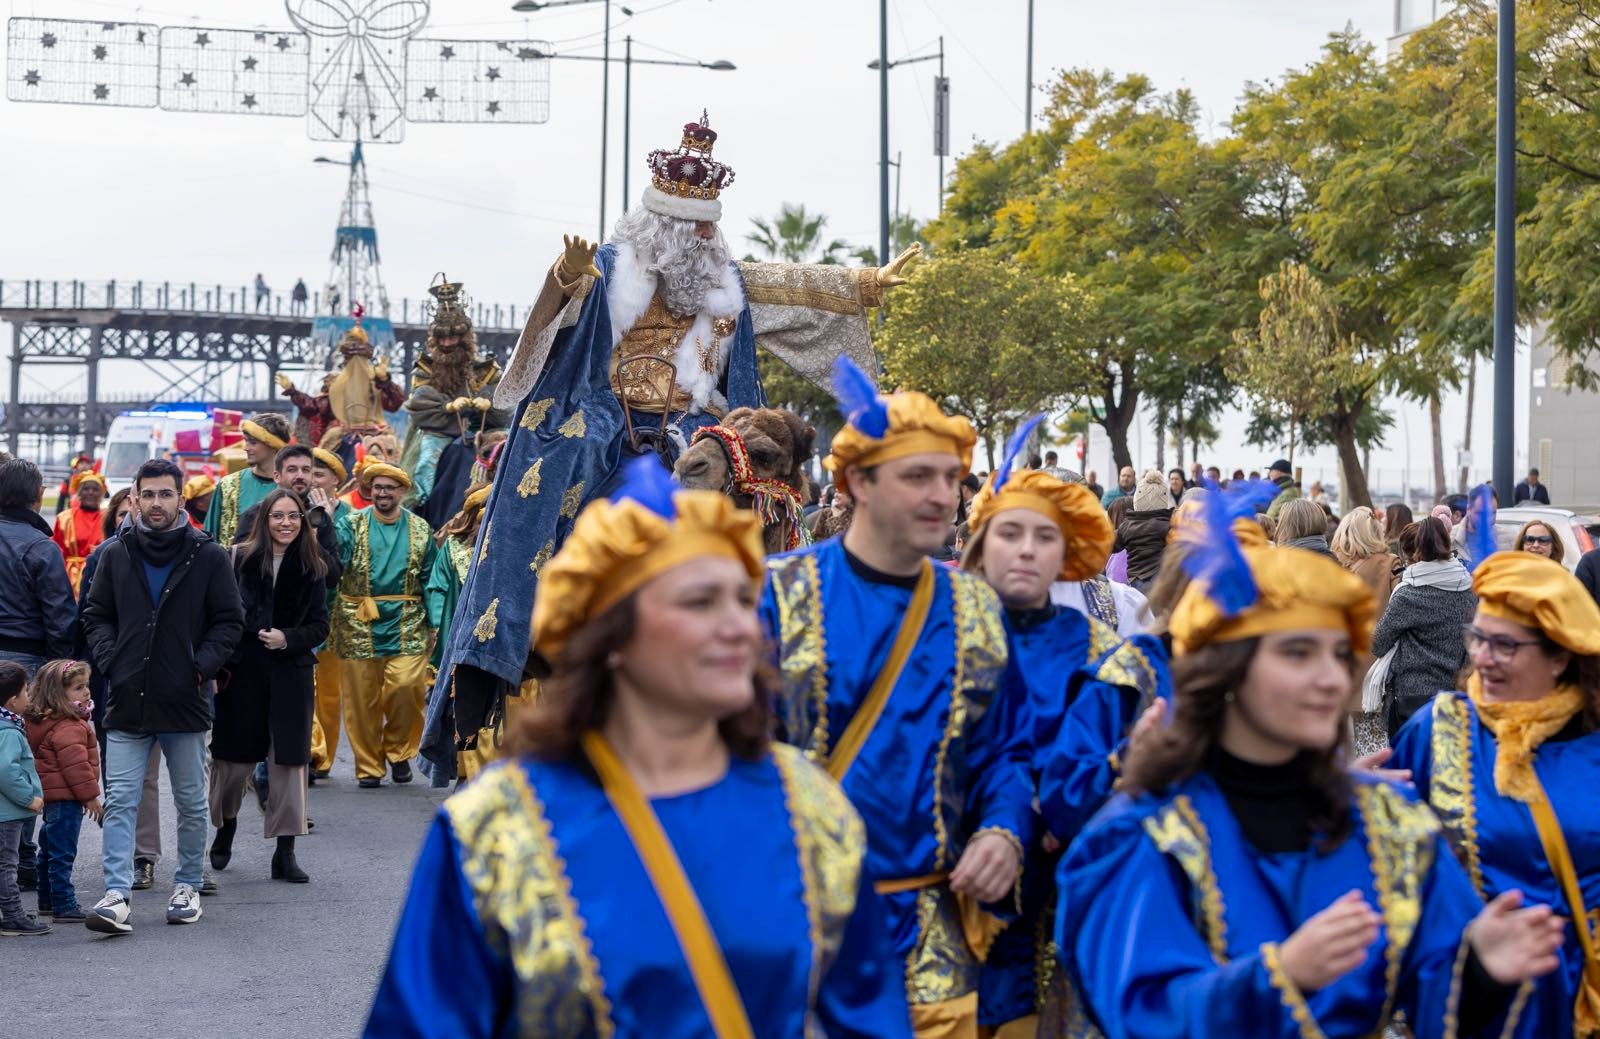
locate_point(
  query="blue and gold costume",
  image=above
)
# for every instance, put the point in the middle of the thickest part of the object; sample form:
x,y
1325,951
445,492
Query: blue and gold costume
x,y
531,914
1484,802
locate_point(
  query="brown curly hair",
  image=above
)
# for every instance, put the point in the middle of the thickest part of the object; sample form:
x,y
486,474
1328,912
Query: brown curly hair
x,y
578,695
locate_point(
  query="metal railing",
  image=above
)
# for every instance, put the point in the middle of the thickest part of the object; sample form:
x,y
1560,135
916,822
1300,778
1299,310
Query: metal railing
x,y
216,298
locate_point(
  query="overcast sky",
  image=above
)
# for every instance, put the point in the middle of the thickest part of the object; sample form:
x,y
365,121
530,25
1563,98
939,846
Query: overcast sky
x,y
144,193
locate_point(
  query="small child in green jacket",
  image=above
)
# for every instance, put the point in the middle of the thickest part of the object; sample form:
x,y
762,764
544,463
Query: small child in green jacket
x,y
21,798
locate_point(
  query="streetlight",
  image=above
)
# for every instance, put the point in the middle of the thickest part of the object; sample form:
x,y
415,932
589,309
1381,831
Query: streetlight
x,y
528,7
628,61
1505,250
941,113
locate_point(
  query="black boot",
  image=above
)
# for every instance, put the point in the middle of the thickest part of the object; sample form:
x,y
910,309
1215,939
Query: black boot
x,y
284,866
222,845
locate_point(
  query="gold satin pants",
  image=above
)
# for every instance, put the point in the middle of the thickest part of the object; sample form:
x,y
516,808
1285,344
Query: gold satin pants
x,y
325,717
383,710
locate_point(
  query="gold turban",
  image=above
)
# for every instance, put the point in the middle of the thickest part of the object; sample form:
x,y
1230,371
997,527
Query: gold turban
x,y
1538,593
330,461
257,432
87,476
1297,590
372,470
1071,506
197,486
916,426
617,546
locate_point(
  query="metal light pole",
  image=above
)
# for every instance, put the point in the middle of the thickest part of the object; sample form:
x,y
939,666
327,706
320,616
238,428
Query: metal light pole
x,y
941,118
627,116
883,136
1505,251
1027,100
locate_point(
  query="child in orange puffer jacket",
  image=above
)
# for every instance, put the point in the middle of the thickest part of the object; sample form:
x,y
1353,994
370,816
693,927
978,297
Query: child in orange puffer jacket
x,y
68,760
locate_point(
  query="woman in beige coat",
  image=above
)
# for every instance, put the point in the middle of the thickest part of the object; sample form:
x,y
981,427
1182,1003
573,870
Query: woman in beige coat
x,y
1359,546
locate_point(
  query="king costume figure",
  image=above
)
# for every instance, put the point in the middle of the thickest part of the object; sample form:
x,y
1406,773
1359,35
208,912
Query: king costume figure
x,y
628,350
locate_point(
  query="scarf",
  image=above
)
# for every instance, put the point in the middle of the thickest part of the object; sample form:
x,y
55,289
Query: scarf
x,y
1448,574
28,516
160,547
11,716
1519,727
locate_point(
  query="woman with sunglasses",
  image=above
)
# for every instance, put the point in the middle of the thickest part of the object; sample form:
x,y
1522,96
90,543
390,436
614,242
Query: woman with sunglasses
x,y
1247,883
1537,537
647,862
1511,767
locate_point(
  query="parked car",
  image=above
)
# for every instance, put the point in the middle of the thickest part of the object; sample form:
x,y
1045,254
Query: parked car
x,y
1578,532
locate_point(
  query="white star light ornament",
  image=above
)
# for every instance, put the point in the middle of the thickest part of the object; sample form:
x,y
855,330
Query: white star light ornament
x,y
355,68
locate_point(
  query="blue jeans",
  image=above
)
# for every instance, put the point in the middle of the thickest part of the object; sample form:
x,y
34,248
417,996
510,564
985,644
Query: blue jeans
x,y
127,753
58,850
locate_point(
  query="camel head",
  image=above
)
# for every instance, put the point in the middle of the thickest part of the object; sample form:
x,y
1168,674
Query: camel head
x,y
778,444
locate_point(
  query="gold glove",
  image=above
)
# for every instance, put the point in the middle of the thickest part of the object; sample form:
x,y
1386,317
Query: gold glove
x,y
457,404
577,261
890,276
285,383
380,370
482,403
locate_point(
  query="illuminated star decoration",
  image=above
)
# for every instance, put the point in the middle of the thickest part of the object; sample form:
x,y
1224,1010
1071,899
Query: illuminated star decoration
x,y
99,54
447,53
48,40
429,94
283,43
494,108
101,91
202,39
186,80
526,53
250,64
261,37
249,101
140,35
493,73
31,77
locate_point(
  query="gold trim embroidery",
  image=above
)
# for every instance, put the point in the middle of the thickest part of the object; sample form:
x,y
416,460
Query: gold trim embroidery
x,y
484,629
534,414
1178,831
541,557
574,426
572,501
1450,787
1289,994
1400,838
815,299
980,652
802,651
522,894
955,722
483,543
528,486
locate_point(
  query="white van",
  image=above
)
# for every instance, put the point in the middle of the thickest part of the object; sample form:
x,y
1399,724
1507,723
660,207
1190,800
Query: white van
x,y
137,436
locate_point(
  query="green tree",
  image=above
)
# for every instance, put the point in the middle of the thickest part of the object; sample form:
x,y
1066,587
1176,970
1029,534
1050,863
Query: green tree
x,y
1302,368
796,236
988,339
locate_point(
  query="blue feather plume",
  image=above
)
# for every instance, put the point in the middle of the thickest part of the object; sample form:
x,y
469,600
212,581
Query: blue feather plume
x,y
1480,542
1014,447
1245,499
858,399
647,481
1214,555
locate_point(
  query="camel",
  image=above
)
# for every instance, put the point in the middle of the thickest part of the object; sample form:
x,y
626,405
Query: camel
x,y
776,445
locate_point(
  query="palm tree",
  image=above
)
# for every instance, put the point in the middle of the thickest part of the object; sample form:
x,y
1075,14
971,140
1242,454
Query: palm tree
x,y
796,237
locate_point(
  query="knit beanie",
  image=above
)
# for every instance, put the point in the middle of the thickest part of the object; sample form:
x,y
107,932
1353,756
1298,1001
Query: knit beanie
x,y
1152,494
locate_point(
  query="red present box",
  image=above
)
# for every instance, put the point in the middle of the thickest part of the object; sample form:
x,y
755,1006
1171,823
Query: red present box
x,y
223,424
186,441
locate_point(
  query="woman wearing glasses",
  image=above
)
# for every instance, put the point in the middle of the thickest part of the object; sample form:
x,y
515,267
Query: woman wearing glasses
x,y
1511,767
265,694
1539,539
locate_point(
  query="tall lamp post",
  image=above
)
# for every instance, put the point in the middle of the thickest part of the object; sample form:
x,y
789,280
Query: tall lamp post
x,y
1505,251
529,6
628,61
941,111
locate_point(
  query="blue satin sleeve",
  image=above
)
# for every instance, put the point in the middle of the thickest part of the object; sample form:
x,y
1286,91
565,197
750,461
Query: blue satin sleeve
x,y
442,978
1429,982
1413,748
1000,749
863,995
1078,760
1123,930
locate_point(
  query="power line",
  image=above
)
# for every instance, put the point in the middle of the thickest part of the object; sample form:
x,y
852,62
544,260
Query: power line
x,y
1004,91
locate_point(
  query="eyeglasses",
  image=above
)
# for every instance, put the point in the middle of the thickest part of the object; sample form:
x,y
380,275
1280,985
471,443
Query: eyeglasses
x,y
1502,648
280,516
1536,539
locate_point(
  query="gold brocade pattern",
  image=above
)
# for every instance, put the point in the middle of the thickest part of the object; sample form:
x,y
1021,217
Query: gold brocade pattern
x,y
351,638
980,659
941,966
572,501
524,900
636,377
1400,844
228,494
802,652
574,426
413,615
1450,787
1121,663
460,558
483,631
1288,994
832,844
535,412
483,542
1178,831
814,299
528,486
541,557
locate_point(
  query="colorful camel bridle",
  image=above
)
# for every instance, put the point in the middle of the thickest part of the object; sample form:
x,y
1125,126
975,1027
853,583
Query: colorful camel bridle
x,y
773,500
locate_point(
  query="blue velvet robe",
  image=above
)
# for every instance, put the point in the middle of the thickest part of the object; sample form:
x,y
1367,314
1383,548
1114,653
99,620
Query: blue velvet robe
x,y
946,760
567,446
530,913
1451,755
1169,920
1078,686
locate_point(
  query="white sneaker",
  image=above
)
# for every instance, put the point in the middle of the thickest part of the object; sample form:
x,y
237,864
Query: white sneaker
x,y
109,915
184,908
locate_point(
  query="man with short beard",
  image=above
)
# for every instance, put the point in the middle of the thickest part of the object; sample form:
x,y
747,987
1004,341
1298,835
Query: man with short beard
x,y
628,351
449,405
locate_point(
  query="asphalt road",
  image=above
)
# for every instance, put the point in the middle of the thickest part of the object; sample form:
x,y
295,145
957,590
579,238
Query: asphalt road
x,y
267,958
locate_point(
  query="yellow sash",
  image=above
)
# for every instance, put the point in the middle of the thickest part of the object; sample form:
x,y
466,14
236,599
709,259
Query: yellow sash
x,y
1586,1008
367,605
704,957
866,717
